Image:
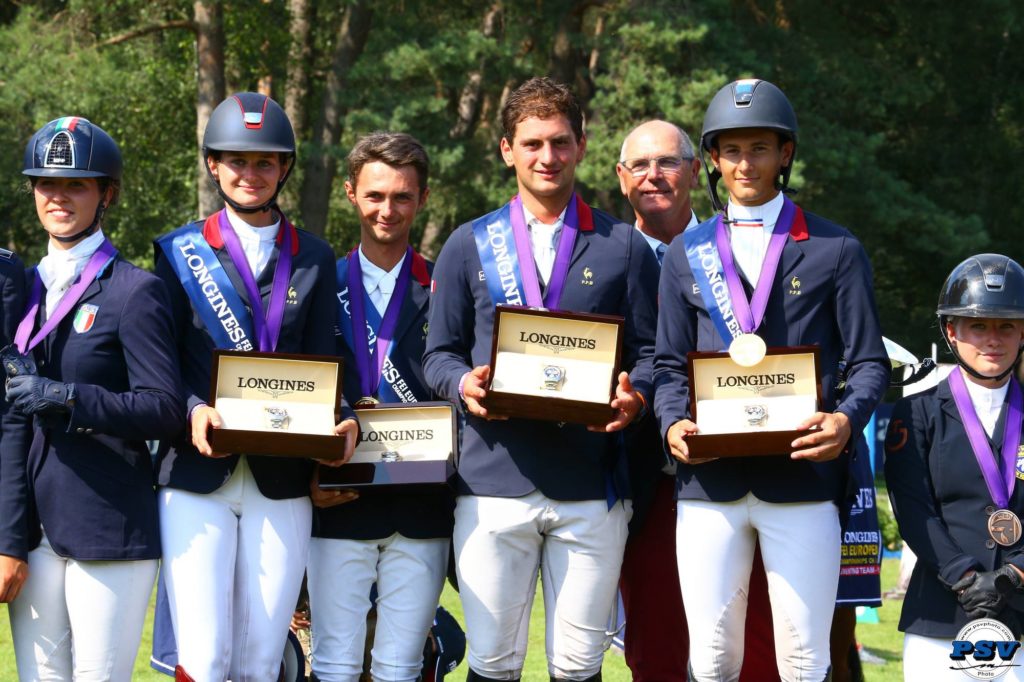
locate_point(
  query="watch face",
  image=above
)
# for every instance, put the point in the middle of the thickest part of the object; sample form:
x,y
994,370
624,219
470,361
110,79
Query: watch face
x,y
552,373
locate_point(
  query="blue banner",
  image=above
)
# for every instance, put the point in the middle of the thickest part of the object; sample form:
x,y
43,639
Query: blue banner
x,y
860,567
208,287
496,244
706,265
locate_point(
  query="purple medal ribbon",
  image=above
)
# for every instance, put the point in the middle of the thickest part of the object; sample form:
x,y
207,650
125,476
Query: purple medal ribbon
x,y
563,254
999,488
267,327
369,372
750,314
99,259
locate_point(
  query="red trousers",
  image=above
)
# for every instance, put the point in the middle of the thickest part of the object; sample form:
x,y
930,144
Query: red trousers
x,y
657,642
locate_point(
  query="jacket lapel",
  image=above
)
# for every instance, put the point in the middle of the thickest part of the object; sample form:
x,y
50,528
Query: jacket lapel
x,y
95,287
945,397
414,302
579,248
998,430
266,279
235,277
792,254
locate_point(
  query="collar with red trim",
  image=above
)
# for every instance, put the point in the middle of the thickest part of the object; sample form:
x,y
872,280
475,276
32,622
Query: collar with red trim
x,y
213,237
585,215
798,230
419,267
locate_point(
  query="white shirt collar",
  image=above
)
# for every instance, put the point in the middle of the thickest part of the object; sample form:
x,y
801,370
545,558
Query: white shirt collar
x,y
654,242
59,268
768,212
66,264
249,232
372,274
987,402
533,221
257,242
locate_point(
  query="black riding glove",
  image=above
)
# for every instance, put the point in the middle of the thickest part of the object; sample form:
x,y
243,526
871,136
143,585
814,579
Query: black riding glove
x,y
38,395
15,363
983,595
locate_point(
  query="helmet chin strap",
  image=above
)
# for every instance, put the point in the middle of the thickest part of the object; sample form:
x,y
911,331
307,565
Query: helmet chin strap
x,y
68,239
270,203
713,176
978,375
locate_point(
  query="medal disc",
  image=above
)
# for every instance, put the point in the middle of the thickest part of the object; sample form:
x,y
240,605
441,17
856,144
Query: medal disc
x,y
366,401
1004,527
746,350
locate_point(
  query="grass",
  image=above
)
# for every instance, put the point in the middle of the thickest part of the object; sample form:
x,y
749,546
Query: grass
x,y
881,639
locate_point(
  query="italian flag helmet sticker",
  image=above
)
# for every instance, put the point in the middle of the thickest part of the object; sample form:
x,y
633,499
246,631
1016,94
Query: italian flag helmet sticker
x,y
84,317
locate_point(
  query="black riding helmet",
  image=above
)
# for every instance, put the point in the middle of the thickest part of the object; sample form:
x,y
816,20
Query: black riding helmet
x,y
73,147
987,285
748,103
249,122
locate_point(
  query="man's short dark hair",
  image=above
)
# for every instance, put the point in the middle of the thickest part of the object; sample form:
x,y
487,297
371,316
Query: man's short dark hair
x,y
541,98
394,149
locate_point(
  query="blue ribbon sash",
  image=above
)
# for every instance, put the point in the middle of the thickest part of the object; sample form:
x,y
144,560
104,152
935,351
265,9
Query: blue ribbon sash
x,y
496,244
208,287
708,273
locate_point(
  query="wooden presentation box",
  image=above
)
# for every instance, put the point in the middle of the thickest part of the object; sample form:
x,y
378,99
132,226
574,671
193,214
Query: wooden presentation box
x,y
744,411
406,444
277,404
555,366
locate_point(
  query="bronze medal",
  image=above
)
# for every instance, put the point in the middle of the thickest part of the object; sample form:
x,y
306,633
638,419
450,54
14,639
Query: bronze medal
x,y
367,401
1004,527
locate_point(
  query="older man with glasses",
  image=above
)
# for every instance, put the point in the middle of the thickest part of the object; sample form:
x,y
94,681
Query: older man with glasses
x,y
657,170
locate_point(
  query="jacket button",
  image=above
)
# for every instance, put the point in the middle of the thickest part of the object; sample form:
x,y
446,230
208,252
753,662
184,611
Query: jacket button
x,y
990,544
990,510
79,430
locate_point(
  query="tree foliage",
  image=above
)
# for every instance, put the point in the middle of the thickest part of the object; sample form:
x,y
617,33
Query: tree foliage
x,y
908,132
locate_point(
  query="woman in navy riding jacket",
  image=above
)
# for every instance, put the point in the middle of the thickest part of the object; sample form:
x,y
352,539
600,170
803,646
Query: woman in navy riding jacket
x,y
92,375
953,458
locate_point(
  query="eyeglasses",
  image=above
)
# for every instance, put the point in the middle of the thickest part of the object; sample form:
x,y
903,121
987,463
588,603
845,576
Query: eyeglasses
x,y
666,164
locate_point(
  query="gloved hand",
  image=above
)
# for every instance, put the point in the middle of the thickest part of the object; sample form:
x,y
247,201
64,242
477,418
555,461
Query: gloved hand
x,y
33,394
1008,580
15,363
983,595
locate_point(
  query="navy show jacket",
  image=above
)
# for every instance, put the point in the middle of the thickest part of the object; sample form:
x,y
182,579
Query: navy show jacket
x,y
378,514
308,328
822,295
514,457
12,306
942,505
89,474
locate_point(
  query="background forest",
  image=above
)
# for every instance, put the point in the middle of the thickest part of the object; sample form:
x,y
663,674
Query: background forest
x,y
910,125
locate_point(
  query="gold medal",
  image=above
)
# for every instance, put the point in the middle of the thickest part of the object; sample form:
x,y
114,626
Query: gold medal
x,y
1004,527
746,350
367,401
